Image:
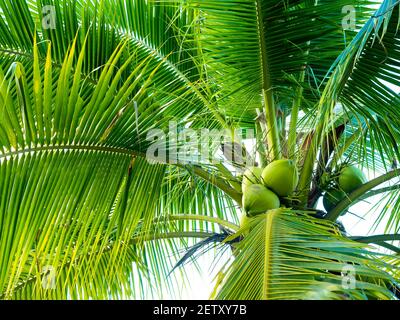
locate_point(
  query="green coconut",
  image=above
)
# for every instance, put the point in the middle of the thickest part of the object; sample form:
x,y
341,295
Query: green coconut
x,y
332,197
251,176
281,176
258,199
244,220
350,178
244,224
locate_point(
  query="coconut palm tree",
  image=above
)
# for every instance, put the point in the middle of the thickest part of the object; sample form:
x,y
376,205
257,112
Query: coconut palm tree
x,y
88,87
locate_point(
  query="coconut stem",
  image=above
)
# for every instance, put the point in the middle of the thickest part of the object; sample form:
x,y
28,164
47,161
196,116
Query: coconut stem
x,y
379,191
219,183
377,238
192,217
274,146
294,118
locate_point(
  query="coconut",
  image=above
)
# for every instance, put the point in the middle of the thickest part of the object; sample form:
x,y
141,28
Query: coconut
x,y
281,176
332,197
244,224
350,178
251,176
258,199
244,220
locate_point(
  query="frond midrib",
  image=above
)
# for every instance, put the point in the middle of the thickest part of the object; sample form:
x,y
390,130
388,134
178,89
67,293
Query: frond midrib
x,y
71,147
267,255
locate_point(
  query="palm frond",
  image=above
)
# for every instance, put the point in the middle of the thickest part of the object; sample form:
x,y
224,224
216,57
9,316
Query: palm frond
x,y
289,255
74,175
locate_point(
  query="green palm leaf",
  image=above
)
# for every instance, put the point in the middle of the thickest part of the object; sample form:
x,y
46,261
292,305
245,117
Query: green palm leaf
x,y
78,103
66,143
288,255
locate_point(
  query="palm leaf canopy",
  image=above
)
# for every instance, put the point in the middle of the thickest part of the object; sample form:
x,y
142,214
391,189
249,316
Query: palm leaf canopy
x,y
78,195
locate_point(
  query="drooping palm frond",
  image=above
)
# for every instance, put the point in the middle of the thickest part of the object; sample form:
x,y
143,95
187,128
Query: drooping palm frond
x,y
75,181
138,267
289,255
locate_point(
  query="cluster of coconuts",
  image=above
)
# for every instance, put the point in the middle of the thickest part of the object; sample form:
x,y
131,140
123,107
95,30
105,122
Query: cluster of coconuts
x,y
263,188
349,179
